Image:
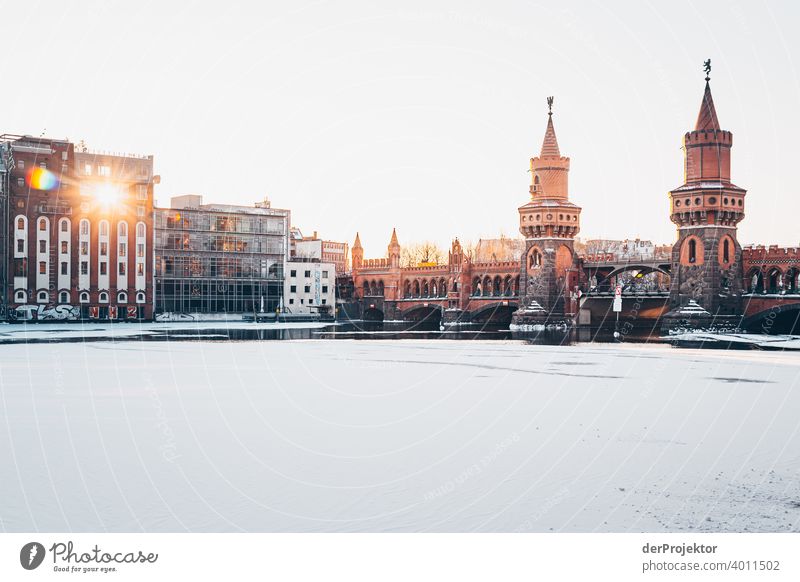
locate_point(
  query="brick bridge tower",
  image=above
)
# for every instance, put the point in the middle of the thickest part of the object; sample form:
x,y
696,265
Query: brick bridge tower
x,y
707,257
549,223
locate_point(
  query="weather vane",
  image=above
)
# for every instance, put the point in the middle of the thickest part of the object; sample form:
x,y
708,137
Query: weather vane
x,y
707,69
549,106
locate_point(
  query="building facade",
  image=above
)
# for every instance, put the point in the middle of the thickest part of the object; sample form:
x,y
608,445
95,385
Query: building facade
x,y
310,287
337,253
79,234
219,258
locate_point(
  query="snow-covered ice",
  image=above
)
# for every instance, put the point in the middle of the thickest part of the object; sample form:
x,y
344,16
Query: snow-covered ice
x,y
397,436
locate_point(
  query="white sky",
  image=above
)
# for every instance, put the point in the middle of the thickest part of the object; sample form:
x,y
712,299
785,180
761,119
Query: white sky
x,y
420,115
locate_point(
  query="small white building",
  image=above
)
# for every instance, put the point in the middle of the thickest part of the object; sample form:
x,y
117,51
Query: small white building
x,y
309,287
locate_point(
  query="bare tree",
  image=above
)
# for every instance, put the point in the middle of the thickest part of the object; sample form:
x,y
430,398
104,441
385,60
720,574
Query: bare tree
x,y
418,253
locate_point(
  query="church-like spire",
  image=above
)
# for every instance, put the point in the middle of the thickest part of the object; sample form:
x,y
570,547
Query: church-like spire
x,y
550,143
357,243
393,242
707,118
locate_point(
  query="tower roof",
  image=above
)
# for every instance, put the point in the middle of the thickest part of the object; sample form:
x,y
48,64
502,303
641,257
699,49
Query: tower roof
x,y
357,243
394,242
707,118
550,143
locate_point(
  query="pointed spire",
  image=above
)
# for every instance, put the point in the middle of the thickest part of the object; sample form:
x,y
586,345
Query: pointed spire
x,y
357,243
707,118
550,144
393,242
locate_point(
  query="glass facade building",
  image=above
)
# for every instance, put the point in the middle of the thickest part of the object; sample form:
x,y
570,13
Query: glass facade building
x,y
213,258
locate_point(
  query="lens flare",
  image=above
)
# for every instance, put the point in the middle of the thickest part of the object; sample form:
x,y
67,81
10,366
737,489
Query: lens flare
x,y
42,179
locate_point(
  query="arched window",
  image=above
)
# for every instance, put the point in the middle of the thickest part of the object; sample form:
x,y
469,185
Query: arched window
x,y
103,297
122,229
726,252
476,286
366,288
140,229
64,225
84,297
536,259
20,297
692,250
42,224
140,297
103,228
84,226
122,297
20,223
43,297
63,297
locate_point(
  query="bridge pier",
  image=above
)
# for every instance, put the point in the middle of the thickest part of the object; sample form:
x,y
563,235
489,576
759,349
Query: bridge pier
x,y
454,316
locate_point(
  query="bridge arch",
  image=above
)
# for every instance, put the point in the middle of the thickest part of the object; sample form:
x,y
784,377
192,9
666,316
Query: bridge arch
x,y
372,314
605,280
778,319
494,313
425,316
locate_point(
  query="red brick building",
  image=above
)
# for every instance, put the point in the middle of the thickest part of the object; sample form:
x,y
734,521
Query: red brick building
x,y
79,232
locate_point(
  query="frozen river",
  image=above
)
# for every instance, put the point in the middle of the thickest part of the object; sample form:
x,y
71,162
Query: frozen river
x,y
397,436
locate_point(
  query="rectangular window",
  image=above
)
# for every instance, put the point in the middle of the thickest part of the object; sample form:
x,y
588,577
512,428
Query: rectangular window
x,y
293,289
140,211
324,288
324,274
43,165
140,268
307,288
84,248
63,267
140,250
42,246
87,169
42,268
324,301
20,181
103,249
64,247
123,249
21,164
104,268
302,301
291,301
84,267
20,245
141,192
311,302
293,273
308,273
122,268
104,170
